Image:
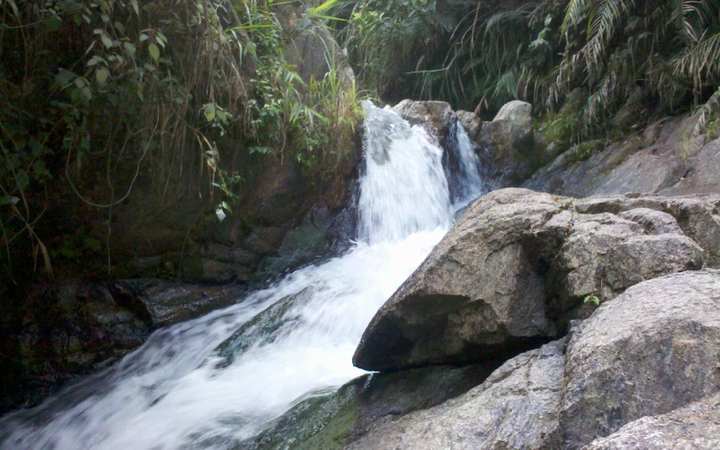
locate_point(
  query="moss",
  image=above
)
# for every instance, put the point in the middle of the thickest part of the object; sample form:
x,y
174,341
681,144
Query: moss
x,y
336,432
585,150
324,421
713,129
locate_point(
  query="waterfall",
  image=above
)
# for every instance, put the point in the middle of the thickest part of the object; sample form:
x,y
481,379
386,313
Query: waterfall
x,y
462,168
219,379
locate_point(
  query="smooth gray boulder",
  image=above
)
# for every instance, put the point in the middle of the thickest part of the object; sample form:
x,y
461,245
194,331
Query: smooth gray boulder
x,y
515,408
511,274
650,351
509,142
517,112
694,427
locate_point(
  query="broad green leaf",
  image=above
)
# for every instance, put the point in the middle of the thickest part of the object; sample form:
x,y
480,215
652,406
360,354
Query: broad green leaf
x,y
129,48
102,74
95,60
106,40
209,111
154,52
135,7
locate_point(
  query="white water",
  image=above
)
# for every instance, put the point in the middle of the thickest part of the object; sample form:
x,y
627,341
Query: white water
x,y
179,391
470,183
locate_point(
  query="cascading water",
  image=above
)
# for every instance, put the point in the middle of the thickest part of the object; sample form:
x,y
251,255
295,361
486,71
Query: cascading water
x,y
219,379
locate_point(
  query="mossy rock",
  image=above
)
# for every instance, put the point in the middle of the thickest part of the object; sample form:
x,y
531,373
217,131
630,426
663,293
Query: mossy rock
x,y
331,420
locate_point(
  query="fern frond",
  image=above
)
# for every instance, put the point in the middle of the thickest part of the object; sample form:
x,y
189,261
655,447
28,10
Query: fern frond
x,y
574,12
701,61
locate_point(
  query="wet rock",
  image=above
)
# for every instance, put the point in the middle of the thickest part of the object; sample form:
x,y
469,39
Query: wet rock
x,y
515,269
263,329
71,329
515,408
166,302
694,427
436,116
650,351
333,420
471,122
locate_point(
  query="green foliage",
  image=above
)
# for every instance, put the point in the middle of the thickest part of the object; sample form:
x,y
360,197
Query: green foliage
x,y
98,96
663,55
667,48
385,39
592,299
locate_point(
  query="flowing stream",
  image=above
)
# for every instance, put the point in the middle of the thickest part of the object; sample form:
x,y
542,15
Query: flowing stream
x,y
219,379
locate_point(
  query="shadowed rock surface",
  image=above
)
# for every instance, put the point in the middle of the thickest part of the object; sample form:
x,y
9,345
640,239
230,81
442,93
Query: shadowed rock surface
x,y
515,408
332,420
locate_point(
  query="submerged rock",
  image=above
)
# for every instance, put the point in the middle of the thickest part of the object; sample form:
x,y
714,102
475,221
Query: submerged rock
x,y
265,327
515,269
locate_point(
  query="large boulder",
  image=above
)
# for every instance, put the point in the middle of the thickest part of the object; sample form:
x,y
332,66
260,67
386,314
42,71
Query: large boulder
x,y
509,145
648,352
516,407
515,269
437,117
516,112
630,372
694,427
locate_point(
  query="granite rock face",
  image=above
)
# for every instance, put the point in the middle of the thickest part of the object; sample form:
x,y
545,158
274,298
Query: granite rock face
x,y
516,268
650,351
664,158
640,373
515,408
694,427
